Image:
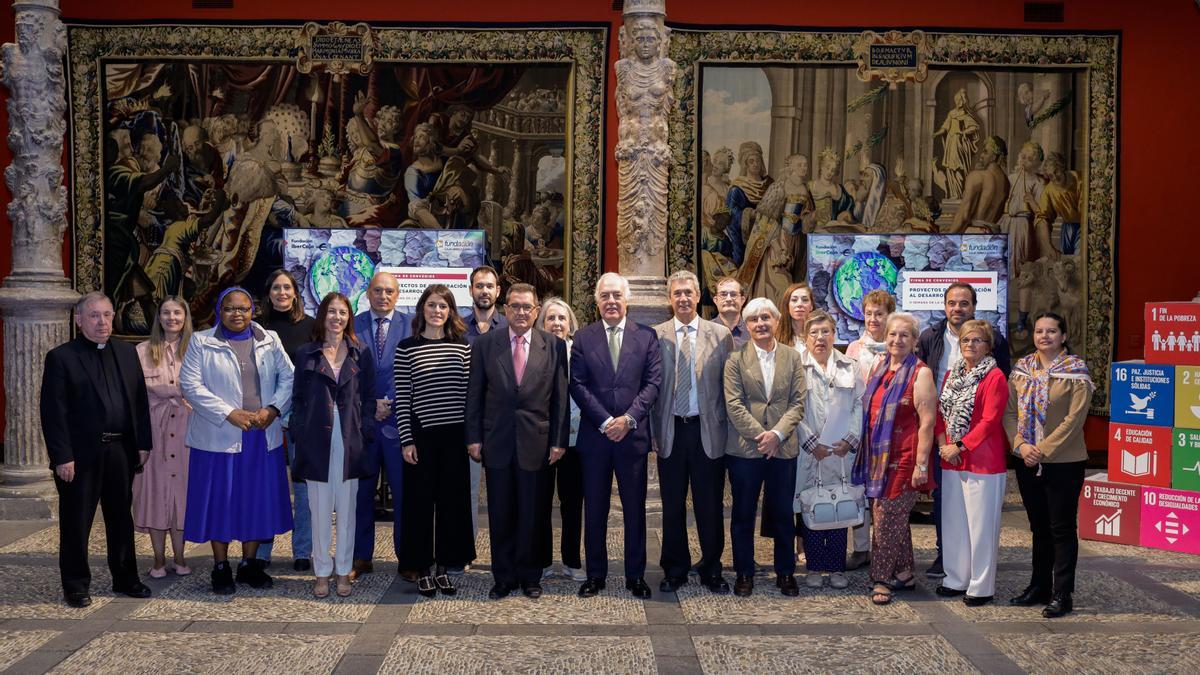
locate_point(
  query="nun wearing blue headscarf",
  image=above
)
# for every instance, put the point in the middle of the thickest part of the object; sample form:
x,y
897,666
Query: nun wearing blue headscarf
x,y
238,379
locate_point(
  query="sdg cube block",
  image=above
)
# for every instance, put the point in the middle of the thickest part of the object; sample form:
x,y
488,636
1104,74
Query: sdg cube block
x,y
1187,397
1139,454
1110,511
1171,519
1185,459
1142,394
1173,333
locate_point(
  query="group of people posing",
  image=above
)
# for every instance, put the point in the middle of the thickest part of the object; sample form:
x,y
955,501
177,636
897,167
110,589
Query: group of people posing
x,y
195,434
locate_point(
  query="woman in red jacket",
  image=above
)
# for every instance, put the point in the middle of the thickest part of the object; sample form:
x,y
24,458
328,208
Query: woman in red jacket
x,y
973,448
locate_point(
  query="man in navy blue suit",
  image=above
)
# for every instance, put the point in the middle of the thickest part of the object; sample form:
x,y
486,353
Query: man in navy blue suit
x,y
615,375
381,329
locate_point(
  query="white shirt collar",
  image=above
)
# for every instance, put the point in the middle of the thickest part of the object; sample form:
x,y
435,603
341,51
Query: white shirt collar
x,y
764,354
694,324
620,324
376,315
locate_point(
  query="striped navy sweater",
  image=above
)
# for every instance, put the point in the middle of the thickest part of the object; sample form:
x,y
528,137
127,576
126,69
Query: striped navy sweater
x,y
431,383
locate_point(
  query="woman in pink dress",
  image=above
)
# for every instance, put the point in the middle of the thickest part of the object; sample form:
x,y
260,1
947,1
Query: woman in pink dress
x,y
160,491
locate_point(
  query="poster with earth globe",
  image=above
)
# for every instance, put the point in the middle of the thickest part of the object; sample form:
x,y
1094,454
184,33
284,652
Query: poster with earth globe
x,y
327,260
843,268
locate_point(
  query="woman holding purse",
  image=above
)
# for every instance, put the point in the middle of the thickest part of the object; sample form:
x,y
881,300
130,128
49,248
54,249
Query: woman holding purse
x,y
827,434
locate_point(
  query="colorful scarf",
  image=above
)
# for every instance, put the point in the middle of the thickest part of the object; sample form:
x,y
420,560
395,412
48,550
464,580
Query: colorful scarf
x,y
870,467
221,329
1034,395
957,402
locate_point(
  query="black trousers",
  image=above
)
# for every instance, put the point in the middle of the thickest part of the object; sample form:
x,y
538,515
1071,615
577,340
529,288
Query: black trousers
x,y
517,517
565,475
1052,504
689,465
437,500
107,481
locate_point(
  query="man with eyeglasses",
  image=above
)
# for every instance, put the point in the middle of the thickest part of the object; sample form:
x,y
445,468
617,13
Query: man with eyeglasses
x,y
938,347
517,425
730,297
690,445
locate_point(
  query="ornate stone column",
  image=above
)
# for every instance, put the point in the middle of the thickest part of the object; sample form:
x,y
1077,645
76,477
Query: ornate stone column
x,y
645,96
36,299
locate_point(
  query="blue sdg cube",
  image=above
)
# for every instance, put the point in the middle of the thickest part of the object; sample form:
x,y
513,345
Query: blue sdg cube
x,y
1142,394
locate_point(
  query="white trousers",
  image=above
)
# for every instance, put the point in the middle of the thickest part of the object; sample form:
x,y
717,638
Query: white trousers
x,y
861,534
327,498
971,509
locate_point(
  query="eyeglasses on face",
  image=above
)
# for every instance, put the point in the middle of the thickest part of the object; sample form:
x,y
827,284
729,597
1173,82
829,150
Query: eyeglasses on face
x,y
235,310
973,341
521,309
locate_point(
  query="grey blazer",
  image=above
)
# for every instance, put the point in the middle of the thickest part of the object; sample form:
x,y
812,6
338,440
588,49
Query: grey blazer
x,y
714,343
752,410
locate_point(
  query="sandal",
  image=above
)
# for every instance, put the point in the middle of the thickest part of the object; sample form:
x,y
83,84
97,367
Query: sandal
x,y
426,587
321,587
444,584
898,584
343,585
881,594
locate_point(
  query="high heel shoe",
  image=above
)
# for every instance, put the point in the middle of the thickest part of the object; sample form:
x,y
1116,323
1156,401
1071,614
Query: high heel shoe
x,y
343,585
321,587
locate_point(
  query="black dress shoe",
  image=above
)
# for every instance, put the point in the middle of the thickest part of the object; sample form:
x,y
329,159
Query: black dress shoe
x,y
532,591
672,584
302,565
716,585
638,587
1032,595
222,579
1060,605
976,600
787,585
253,574
499,591
947,592
743,586
78,600
134,590
591,588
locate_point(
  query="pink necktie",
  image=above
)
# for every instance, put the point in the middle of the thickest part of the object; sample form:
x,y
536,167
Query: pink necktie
x,y
519,357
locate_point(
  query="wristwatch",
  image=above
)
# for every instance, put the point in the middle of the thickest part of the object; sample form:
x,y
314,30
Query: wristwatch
x,y
923,469
960,445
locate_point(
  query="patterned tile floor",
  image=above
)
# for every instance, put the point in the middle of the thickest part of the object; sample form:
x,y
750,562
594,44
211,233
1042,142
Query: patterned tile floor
x,y
1138,611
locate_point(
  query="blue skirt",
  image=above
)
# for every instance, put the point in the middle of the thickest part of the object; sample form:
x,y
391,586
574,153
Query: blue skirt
x,y
240,496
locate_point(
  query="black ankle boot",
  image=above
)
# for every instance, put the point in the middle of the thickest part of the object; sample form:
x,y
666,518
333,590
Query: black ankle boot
x,y
222,579
1032,595
1060,605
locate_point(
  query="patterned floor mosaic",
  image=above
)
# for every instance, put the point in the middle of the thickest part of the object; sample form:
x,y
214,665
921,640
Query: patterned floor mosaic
x,y
480,654
825,654
1083,654
137,653
559,605
17,644
35,592
1183,580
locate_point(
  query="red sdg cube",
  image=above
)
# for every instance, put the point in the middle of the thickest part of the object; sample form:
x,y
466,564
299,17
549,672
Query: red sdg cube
x,y
1110,511
1173,333
1139,454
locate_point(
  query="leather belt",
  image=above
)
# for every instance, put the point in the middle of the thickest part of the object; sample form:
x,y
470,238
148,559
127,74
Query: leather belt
x,y
692,419
110,437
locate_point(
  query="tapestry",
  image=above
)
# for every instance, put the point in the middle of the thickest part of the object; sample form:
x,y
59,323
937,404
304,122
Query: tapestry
x,y
782,135
195,148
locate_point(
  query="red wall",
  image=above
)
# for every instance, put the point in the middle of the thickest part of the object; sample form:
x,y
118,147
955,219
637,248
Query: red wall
x,y
1160,94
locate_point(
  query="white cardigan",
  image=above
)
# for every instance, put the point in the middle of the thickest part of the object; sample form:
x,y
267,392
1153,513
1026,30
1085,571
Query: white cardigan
x,y
833,412
212,383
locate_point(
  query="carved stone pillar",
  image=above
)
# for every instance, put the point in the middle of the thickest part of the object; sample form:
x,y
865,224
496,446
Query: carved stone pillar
x,y
645,97
514,184
36,298
489,190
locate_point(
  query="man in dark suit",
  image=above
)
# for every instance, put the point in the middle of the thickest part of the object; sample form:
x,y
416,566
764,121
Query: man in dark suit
x,y
689,428
381,329
96,421
615,375
517,425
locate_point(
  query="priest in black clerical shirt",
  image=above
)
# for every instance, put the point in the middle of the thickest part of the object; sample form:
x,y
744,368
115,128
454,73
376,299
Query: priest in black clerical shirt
x,y
96,421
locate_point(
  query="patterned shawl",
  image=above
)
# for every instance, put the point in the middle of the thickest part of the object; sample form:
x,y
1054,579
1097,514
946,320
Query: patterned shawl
x,y
870,467
1034,395
957,402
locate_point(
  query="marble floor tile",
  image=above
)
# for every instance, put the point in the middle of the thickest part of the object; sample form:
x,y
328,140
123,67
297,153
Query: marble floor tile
x,y
520,654
559,605
17,644
35,592
291,600
1096,654
828,654
768,606
1099,597
137,653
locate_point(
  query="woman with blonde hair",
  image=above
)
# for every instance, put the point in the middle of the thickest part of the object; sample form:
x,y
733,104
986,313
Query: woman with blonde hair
x,y
160,491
